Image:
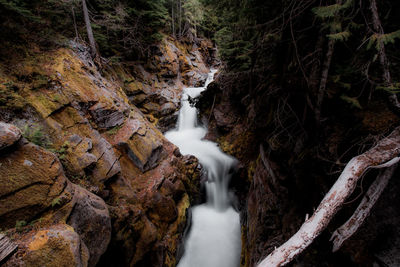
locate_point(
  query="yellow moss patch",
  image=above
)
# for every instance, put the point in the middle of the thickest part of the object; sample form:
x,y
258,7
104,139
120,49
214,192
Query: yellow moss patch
x,y
39,240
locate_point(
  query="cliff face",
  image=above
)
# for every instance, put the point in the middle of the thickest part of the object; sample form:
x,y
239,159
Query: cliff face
x,y
92,175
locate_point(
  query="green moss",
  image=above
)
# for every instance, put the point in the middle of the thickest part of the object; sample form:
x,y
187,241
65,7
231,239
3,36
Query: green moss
x,y
39,81
251,169
9,98
56,202
34,133
114,130
19,225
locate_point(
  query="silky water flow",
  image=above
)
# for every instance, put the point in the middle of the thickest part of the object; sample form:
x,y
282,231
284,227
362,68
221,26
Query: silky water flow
x,y
214,237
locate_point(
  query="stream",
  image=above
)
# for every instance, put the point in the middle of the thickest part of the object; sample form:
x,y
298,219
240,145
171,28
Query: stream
x,y
214,239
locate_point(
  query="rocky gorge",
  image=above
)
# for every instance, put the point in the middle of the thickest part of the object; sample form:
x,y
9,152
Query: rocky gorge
x,y
199,133
86,173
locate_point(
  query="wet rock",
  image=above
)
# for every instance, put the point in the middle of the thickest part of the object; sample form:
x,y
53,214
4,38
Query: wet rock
x,y
224,118
167,123
151,108
195,79
34,184
140,142
91,220
168,63
84,147
106,117
31,179
79,156
107,164
167,108
138,99
9,134
57,245
161,208
106,149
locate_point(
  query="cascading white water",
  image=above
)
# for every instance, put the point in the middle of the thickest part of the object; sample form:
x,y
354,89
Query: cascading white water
x,y
214,238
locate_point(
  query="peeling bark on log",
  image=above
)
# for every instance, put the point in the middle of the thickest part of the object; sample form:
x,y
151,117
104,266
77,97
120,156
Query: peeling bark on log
x,y
6,247
384,154
356,220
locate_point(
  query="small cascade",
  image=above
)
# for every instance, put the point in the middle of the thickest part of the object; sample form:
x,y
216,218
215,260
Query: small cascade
x,y
214,238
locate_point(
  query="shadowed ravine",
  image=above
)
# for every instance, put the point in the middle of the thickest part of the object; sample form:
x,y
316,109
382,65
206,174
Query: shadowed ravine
x,y
214,238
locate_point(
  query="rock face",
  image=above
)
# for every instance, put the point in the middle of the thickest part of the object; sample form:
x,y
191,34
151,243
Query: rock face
x,y
31,179
155,88
91,220
113,191
264,207
34,186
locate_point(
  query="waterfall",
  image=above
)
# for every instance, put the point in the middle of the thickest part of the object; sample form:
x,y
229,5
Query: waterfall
x,y
214,238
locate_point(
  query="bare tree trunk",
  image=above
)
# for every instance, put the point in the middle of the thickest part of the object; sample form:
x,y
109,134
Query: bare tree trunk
x,y
173,19
180,17
364,208
92,42
382,56
316,66
75,27
324,78
384,154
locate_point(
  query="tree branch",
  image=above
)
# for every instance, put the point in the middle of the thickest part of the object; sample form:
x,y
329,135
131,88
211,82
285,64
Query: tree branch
x,y
356,220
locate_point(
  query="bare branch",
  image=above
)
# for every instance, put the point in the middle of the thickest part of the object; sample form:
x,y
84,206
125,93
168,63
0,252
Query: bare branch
x,y
371,197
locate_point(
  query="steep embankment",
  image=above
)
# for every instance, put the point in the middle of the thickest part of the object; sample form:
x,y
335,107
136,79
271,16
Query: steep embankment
x,y
93,175
285,172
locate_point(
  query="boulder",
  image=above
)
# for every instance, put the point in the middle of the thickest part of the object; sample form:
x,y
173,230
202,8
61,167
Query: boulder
x,y
224,117
161,207
58,245
106,117
31,178
86,151
140,141
9,135
167,108
91,220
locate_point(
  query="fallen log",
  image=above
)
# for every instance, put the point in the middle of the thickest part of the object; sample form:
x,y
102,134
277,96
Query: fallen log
x,y
384,154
